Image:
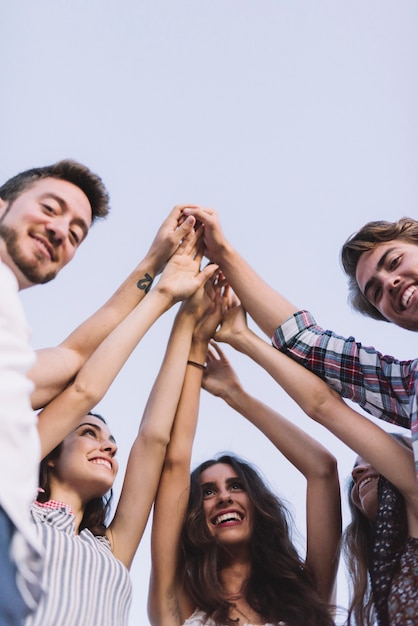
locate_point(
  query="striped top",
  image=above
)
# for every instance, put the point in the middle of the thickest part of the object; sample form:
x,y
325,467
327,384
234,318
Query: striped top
x,y
85,585
382,385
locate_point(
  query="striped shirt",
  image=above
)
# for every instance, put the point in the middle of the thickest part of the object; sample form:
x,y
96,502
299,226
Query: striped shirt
x,y
85,585
381,385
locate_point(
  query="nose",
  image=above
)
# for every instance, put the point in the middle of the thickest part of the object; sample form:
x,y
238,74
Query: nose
x,y
109,446
58,228
224,495
359,470
392,281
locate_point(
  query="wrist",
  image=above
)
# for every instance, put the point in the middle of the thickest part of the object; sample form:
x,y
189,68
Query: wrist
x,y
198,352
233,395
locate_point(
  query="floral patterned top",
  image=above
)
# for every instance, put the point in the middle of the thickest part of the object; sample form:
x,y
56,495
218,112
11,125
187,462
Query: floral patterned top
x,y
394,561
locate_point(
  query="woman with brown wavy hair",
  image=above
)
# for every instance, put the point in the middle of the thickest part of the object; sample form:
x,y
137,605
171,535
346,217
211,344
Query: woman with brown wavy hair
x,y
221,542
381,544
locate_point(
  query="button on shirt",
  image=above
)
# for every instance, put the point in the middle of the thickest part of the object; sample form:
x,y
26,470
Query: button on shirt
x,y
382,385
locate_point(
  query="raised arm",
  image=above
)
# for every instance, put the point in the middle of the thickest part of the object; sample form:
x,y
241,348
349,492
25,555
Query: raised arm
x,y
168,604
305,453
321,403
179,280
56,367
266,306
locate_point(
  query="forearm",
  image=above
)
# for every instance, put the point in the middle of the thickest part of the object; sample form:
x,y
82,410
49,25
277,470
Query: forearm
x,y
56,367
98,373
167,602
266,306
303,451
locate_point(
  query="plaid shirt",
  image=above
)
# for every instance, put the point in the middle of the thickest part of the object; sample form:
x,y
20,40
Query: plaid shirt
x,y
381,385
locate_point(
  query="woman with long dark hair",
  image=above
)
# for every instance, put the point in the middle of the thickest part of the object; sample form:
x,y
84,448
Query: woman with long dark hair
x,y
221,542
381,543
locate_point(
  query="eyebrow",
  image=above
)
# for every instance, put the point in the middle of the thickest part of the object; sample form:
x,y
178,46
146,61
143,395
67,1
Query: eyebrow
x,y
64,206
97,428
370,283
212,484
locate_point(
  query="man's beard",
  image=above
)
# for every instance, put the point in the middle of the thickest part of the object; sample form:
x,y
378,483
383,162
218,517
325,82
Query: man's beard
x,y
32,272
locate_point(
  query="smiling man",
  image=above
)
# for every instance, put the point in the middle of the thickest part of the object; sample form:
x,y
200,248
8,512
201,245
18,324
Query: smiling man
x,y
45,215
381,261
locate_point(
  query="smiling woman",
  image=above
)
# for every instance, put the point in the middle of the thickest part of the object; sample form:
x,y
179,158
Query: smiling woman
x,y
222,552
85,577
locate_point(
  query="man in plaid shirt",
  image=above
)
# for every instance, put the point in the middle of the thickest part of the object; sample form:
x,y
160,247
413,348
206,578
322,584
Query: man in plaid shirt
x,y
381,261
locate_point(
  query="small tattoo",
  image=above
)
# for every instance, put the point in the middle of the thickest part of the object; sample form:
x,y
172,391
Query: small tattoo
x,y
145,283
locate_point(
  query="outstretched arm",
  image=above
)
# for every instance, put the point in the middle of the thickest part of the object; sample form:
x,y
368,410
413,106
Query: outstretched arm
x,y
321,403
266,306
56,367
179,280
305,453
167,603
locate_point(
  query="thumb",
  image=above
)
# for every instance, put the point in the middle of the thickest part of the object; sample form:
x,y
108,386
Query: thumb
x,y
186,226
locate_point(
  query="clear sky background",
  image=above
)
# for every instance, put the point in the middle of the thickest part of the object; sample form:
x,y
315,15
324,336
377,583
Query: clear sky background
x,y
296,120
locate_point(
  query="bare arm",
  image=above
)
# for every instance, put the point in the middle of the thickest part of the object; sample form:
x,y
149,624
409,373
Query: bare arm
x,y
305,453
168,605
179,280
56,367
321,403
266,306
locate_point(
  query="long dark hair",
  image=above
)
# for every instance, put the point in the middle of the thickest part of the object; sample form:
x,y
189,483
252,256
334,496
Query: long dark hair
x,y
357,543
280,585
97,509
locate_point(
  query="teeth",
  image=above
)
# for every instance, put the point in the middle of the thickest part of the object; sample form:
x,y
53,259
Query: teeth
x,y
364,482
102,462
407,295
228,517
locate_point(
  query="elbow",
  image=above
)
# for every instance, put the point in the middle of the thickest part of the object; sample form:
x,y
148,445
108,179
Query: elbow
x,y
325,468
154,438
322,406
86,395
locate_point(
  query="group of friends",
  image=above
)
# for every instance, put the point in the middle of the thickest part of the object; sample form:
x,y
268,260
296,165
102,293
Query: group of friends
x,y
221,546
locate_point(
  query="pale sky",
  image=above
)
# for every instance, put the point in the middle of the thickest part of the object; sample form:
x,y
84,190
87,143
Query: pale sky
x,y
295,120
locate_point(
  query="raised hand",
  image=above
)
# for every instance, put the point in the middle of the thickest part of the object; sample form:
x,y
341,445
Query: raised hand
x,y
234,321
214,239
169,236
219,378
182,275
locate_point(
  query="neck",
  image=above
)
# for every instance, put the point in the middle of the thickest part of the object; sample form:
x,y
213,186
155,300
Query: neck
x,y
71,499
234,575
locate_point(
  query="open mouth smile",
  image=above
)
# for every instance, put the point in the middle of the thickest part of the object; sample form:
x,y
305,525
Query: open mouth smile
x,y
101,461
229,517
407,295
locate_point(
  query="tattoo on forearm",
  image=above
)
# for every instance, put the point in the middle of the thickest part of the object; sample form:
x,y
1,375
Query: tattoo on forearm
x,y
145,283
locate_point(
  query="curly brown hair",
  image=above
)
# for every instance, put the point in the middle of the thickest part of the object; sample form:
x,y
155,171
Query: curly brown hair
x,y
367,238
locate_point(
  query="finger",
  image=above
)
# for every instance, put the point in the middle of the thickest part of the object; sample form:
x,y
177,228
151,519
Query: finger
x,y
220,352
200,213
185,225
207,272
